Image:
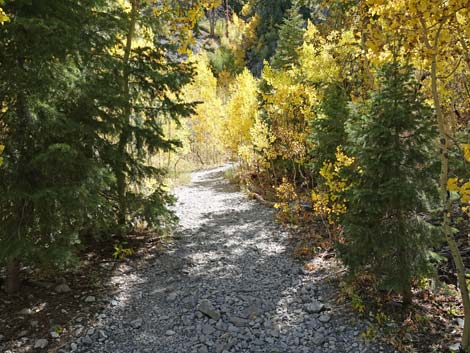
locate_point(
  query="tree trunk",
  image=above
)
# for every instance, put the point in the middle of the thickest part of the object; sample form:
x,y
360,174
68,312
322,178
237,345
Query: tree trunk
x,y
22,208
407,297
227,17
446,201
13,276
121,181
124,136
212,23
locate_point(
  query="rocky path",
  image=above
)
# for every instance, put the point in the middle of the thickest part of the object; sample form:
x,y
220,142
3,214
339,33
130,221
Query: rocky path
x,y
229,285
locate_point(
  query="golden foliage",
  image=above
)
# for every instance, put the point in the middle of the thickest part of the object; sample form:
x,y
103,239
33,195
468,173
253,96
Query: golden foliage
x,y
241,112
328,200
3,16
206,125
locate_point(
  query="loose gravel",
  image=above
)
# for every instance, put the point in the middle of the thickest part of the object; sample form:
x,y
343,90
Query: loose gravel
x,y
229,285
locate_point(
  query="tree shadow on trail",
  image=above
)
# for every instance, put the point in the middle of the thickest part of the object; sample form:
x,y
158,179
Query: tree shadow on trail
x,y
234,256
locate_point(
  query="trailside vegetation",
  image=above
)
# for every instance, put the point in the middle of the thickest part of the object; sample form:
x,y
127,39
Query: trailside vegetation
x,y
351,118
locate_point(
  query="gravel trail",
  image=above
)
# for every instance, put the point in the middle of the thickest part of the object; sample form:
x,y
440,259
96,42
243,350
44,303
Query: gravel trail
x,y
229,285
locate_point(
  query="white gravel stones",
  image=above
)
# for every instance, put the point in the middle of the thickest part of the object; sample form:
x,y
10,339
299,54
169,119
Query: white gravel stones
x,y
25,311
314,307
41,343
90,299
227,285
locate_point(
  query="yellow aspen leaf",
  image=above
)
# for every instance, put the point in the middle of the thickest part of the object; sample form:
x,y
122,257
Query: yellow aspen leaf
x,y
466,210
452,184
3,16
466,151
465,192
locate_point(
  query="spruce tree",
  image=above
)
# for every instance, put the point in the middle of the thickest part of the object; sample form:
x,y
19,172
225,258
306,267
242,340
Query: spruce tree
x,y
130,94
328,129
290,39
392,141
50,177
82,115
270,14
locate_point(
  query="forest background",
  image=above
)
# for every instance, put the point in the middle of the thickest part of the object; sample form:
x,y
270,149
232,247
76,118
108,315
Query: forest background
x,y
350,117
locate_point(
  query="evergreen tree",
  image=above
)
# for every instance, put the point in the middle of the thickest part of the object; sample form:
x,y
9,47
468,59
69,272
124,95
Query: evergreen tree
x,y
49,177
270,14
392,142
290,39
131,94
82,114
328,129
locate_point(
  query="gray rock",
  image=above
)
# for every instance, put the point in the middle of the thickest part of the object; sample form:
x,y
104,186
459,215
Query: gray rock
x,y
314,307
170,332
25,311
224,343
208,329
206,308
86,340
102,334
62,288
318,339
41,343
233,329
172,296
78,331
203,349
252,311
324,318
237,321
274,333
137,323
54,334
158,291
454,347
90,299
22,333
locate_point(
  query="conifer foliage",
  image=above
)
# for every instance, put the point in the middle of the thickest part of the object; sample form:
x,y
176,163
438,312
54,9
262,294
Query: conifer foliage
x,y
49,177
328,130
391,139
85,87
326,118
291,33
